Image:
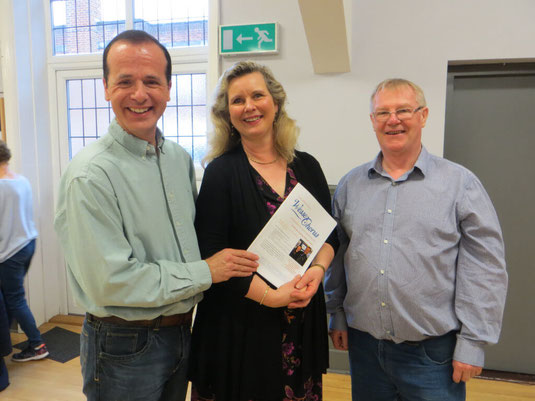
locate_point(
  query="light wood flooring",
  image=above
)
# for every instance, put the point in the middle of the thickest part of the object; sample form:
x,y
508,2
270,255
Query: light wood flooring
x,y
47,380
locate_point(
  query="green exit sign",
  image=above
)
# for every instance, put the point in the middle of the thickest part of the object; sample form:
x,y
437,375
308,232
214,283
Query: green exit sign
x,y
251,38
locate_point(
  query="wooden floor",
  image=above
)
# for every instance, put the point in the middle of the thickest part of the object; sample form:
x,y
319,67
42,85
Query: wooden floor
x,y
338,388
47,380
44,380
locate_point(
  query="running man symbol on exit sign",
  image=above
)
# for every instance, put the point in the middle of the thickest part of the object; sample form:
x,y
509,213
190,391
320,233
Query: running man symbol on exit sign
x,y
252,38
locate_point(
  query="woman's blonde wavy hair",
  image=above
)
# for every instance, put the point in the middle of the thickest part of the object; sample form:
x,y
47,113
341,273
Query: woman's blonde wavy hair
x,y
226,137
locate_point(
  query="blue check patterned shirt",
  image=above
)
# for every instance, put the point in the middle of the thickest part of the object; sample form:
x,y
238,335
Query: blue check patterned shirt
x,y
420,256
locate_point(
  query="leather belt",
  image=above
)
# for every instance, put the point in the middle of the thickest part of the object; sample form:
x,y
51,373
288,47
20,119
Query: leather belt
x,y
417,343
161,321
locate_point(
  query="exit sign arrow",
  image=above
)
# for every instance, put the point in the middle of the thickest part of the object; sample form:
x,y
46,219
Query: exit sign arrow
x,y
242,38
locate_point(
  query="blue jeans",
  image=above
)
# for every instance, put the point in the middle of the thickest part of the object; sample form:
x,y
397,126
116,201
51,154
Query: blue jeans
x,y
12,272
5,343
127,363
4,377
384,371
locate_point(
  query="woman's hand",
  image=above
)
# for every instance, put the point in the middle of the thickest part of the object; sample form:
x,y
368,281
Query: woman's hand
x,y
307,287
284,295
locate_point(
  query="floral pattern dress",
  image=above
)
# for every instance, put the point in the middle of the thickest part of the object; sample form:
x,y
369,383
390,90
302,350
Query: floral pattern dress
x,y
296,387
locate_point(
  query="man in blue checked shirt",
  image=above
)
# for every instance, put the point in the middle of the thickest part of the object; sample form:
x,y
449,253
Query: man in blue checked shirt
x,y
418,286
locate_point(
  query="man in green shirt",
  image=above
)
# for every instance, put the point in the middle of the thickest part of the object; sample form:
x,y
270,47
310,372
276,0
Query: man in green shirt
x,y
125,219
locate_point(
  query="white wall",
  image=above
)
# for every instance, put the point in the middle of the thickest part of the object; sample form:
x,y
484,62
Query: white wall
x,y
414,39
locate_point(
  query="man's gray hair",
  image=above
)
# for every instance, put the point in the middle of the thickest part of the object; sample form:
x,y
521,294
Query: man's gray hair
x,y
394,83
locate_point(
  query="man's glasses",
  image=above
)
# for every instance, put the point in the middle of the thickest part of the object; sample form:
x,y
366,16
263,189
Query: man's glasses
x,y
401,114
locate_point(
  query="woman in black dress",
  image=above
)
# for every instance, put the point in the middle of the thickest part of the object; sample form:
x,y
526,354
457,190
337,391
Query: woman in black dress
x,y
251,341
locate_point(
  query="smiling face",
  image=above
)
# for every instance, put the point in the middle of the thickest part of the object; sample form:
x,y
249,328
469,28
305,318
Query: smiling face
x,y
251,107
137,87
399,138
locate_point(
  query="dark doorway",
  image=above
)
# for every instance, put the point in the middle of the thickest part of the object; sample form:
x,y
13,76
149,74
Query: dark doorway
x,y
490,130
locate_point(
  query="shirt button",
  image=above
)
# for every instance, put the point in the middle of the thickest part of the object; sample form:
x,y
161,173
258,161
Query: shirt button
x,y
388,332
394,184
385,241
389,211
383,304
382,271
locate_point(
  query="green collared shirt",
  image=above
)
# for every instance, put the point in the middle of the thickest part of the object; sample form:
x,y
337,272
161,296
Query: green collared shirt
x,y
125,220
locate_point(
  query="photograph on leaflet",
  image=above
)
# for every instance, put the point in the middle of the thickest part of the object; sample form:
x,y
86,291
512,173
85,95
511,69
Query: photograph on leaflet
x,y
301,252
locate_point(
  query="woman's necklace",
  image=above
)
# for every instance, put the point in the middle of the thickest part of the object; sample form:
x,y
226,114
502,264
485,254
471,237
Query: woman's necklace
x,y
259,162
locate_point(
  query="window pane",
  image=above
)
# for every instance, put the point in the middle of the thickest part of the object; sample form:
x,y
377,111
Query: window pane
x,y
58,41
76,127
185,121
89,114
172,102
90,123
198,88
85,26
170,122
199,120
89,92
103,121
183,86
99,94
59,13
69,41
74,93
112,11
174,23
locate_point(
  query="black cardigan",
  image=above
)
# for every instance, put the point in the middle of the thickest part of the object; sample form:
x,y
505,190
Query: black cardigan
x,y
236,343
